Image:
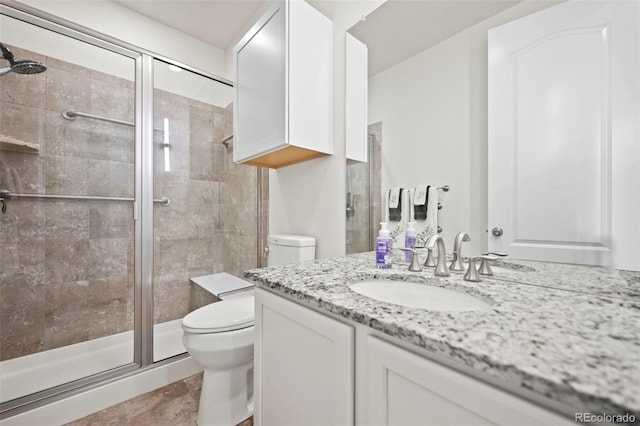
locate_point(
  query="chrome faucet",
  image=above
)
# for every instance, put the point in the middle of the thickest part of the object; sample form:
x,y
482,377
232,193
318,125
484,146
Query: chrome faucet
x,y
441,268
456,263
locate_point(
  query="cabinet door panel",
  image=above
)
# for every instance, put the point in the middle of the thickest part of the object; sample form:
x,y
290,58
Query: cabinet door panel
x,y
304,366
356,99
407,389
259,107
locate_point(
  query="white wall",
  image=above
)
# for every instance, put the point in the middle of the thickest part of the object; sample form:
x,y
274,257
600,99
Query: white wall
x,y
433,109
124,24
309,198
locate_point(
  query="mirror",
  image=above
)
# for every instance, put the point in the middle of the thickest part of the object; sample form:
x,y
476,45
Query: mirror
x,y
428,93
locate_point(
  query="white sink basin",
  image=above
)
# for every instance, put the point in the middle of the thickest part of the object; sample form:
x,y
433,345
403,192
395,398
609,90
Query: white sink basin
x,y
415,295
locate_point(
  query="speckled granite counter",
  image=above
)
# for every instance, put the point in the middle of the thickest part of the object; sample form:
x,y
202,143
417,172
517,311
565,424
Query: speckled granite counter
x,y
568,333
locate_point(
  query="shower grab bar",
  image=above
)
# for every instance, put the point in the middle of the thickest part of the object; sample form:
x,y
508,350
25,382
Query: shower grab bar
x,y
72,115
8,195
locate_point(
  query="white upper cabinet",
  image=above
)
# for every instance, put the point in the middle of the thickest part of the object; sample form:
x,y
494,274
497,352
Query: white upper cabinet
x,y
283,94
356,99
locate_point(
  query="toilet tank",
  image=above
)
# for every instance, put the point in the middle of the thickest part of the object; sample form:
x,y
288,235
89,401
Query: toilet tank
x,y
285,249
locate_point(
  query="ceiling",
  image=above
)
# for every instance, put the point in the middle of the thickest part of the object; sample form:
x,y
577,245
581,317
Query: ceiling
x,y
216,22
395,31
400,29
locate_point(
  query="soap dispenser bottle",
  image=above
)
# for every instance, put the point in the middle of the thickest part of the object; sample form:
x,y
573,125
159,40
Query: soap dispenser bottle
x,y
384,246
409,241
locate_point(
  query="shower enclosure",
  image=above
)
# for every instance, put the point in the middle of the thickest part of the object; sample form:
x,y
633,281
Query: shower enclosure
x,y
116,188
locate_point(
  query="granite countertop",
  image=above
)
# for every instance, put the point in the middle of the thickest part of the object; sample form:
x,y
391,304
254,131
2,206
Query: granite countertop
x,y
568,333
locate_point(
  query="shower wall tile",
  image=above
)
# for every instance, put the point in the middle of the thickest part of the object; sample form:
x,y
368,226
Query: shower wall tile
x,y
24,257
173,256
241,253
201,125
30,220
24,123
126,83
18,345
65,334
67,90
65,260
66,221
106,141
219,152
110,99
108,178
171,296
201,220
66,137
65,175
110,220
17,313
198,296
68,67
201,254
29,169
107,258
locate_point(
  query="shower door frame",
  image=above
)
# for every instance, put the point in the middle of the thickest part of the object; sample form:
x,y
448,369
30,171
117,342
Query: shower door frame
x,y
142,205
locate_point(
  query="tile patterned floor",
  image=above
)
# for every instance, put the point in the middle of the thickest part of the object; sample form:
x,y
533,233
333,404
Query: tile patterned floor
x,y
173,405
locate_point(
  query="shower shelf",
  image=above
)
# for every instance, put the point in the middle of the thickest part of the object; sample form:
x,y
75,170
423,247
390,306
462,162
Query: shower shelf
x,y
8,143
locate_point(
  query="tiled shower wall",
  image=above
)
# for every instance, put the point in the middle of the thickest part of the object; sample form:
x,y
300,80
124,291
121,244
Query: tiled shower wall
x,y
66,267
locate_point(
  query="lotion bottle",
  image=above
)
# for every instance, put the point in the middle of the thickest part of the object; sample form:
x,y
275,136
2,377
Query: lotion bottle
x,y
409,241
384,245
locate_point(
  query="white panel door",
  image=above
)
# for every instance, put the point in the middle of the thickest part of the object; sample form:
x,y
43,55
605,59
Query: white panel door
x,y
564,155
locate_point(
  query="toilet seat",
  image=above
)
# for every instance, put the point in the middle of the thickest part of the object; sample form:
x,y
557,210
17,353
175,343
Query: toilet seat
x,y
218,317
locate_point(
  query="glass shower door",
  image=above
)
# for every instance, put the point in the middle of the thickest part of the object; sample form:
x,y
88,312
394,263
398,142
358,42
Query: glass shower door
x,y
67,172
192,116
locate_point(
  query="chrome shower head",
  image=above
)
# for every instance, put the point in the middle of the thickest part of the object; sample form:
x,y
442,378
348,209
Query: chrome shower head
x,y
20,67
28,67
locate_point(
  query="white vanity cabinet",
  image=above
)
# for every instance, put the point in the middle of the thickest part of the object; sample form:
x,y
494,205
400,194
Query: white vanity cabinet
x,y
303,365
306,373
356,99
283,95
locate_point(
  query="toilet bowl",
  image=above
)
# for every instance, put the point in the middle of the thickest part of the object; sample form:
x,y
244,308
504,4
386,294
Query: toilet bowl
x,y
220,337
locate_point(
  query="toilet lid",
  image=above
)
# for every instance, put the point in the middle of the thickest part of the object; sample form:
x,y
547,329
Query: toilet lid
x,y
225,315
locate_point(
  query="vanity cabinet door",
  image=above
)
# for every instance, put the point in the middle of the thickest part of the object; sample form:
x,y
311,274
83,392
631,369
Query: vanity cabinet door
x,y
303,365
405,389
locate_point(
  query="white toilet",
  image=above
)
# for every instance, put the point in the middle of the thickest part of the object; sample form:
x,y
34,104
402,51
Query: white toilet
x,y
220,336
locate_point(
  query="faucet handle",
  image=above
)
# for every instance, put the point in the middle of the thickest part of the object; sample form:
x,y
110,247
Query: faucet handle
x,y
485,266
430,262
495,253
472,272
415,263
